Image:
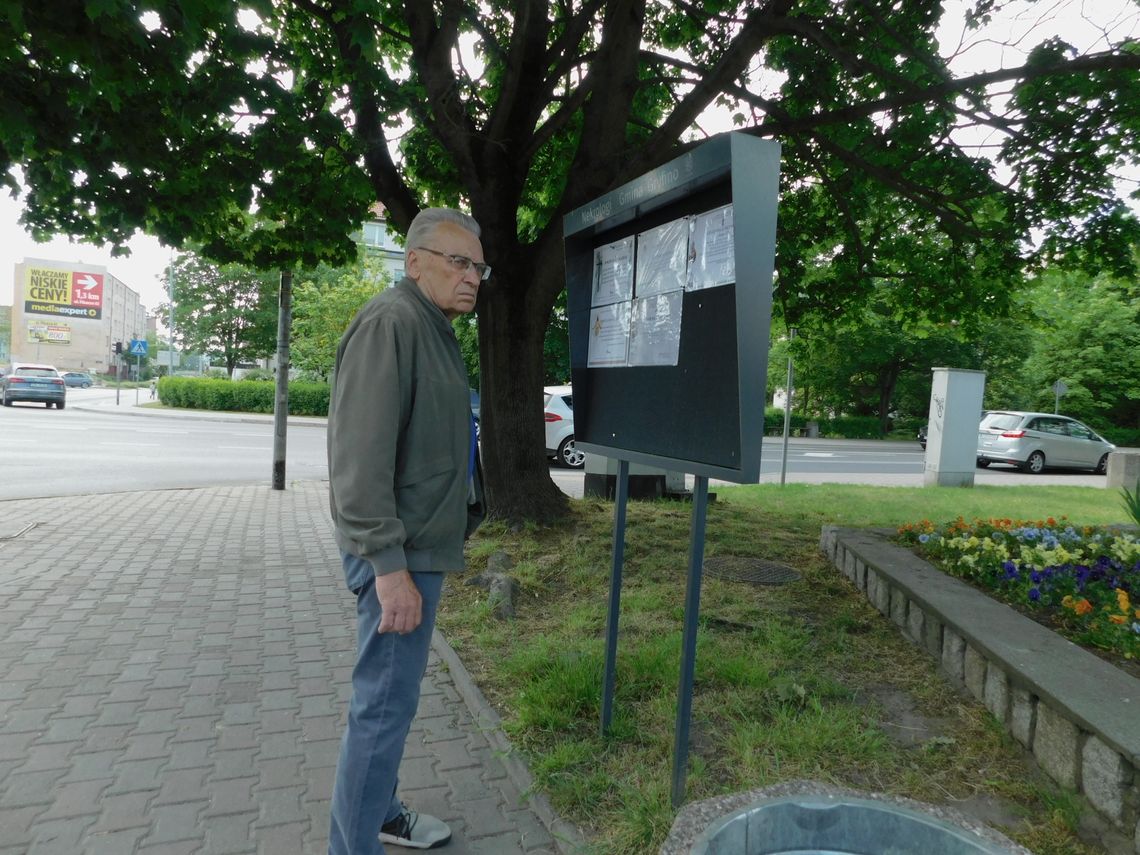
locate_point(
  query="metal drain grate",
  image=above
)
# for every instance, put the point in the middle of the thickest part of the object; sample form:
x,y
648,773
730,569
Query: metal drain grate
x,y
741,568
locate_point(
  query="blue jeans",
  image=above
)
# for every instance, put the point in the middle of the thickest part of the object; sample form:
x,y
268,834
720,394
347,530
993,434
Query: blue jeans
x,y
385,694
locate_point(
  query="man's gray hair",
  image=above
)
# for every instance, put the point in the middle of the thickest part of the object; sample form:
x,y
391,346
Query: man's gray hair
x,y
429,219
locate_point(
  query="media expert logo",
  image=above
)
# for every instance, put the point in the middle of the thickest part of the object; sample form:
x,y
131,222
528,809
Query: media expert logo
x,y
72,293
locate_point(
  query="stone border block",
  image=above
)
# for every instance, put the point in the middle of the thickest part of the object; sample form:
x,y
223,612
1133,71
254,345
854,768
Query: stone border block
x,y
1106,777
915,622
997,692
1023,716
1057,746
974,672
898,608
953,654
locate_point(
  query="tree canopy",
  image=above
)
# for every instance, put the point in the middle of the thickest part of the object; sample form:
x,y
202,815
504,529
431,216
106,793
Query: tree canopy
x,y
226,310
264,130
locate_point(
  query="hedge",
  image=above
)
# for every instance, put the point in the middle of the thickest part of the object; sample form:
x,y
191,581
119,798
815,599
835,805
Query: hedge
x,y
246,396
842,427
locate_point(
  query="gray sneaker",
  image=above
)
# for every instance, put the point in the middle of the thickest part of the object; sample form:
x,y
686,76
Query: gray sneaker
x,y
415,830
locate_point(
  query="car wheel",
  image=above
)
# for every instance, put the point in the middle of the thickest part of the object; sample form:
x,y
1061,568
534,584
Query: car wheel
x,y
982,464
1102,465
7,403
569,455
60,404
1035,463
85,385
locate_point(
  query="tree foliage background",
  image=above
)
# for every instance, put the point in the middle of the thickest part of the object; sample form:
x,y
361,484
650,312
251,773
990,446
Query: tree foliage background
x,y
228,311
263,131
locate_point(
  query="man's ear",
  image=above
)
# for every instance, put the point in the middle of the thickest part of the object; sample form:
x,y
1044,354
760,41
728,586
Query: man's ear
x,y
412,265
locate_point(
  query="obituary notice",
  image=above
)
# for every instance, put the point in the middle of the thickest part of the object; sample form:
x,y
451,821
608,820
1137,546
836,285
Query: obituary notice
x,y
662,255
609,336
712,249
655,329
613,273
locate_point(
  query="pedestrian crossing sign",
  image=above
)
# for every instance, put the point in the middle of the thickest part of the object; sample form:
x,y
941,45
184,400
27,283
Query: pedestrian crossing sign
x,y
138,347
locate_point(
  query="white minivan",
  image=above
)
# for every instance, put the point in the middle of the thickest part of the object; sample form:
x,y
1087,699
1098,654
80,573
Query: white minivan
x,y
1033,441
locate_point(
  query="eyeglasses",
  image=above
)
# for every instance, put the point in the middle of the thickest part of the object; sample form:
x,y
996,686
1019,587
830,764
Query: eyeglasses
x,y
461,263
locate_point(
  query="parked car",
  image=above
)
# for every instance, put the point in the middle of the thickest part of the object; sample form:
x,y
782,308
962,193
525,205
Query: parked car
x,y
558,411
26,381
1032,441
78,378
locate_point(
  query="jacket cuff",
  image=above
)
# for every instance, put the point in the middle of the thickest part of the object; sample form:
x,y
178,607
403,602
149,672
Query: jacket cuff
x,y
390,560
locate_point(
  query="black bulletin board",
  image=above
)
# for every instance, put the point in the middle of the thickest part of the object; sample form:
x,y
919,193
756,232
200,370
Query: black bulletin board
x,y
704,415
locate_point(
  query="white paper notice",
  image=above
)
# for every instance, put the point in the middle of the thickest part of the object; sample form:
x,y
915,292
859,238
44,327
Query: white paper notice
x,y
712,252
613,273
661,258
609,336
655,329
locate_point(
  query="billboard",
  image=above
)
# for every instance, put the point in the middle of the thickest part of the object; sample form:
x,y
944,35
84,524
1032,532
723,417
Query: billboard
x,y
64,293
45,332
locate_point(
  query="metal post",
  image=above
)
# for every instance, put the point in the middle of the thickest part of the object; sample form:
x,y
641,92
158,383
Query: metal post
x,y
689,638
281,399
170,287
787,410
620,500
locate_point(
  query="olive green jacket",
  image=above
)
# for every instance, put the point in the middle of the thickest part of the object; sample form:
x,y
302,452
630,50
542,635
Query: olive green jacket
x,y
399,437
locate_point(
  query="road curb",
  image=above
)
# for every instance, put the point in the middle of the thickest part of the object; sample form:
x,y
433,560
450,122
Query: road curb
x,y
568,837
202,415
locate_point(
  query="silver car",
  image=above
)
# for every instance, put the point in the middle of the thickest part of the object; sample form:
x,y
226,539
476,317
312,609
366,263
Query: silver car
x,y
1032,441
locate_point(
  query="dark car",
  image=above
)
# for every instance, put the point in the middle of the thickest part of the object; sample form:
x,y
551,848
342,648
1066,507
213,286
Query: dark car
x,y
29,382
922,437
475,409
78,378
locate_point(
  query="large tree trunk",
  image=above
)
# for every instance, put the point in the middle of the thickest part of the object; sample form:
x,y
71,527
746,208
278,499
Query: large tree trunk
x,y
512,321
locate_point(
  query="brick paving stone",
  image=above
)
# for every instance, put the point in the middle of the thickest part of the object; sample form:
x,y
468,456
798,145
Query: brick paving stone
x,y
118,812
113,843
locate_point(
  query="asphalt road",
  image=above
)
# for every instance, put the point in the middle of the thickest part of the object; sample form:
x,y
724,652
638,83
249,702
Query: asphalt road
x,y
103,443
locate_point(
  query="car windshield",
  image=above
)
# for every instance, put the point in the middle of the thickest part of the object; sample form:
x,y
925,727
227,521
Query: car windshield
x,y
35,372
1000,421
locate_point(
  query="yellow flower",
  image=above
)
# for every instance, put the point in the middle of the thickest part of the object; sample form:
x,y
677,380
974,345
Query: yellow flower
x,y
1122,600
1118,618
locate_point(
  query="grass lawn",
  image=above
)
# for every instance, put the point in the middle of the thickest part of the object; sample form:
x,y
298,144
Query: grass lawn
x,y
805,680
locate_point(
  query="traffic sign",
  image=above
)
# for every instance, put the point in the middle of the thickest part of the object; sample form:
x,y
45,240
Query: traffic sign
x,y
138,347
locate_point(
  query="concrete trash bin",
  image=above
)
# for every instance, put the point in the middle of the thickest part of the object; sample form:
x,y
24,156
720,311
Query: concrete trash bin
x,y
828,825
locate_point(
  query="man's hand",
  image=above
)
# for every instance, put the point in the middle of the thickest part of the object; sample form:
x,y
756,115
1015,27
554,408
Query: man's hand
x,y
401,606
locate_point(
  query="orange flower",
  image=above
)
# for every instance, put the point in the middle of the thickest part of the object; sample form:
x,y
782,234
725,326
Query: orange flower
x,y
1118,618
1082,606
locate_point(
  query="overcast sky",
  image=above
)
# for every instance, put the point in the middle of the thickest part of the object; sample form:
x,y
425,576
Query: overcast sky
x,y
1083,23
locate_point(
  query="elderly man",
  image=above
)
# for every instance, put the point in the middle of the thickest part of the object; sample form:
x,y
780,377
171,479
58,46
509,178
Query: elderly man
x,y
404,494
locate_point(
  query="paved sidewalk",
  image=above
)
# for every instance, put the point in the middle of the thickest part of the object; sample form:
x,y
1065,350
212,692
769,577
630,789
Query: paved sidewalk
x,y
176,671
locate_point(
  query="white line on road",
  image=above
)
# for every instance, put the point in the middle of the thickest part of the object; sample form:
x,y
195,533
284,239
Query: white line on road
x,y
818,454
133,444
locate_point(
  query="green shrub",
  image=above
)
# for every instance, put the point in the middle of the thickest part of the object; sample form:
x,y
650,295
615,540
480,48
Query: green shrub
x,y
308,399
254,396
204,393
851,427
257,374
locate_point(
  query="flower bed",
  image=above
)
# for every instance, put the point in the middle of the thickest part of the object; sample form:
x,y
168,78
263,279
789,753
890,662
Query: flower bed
x,y
1085,581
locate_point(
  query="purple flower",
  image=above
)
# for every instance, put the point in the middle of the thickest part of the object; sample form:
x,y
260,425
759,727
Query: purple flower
x,y
1035,577
1034,594
923,538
